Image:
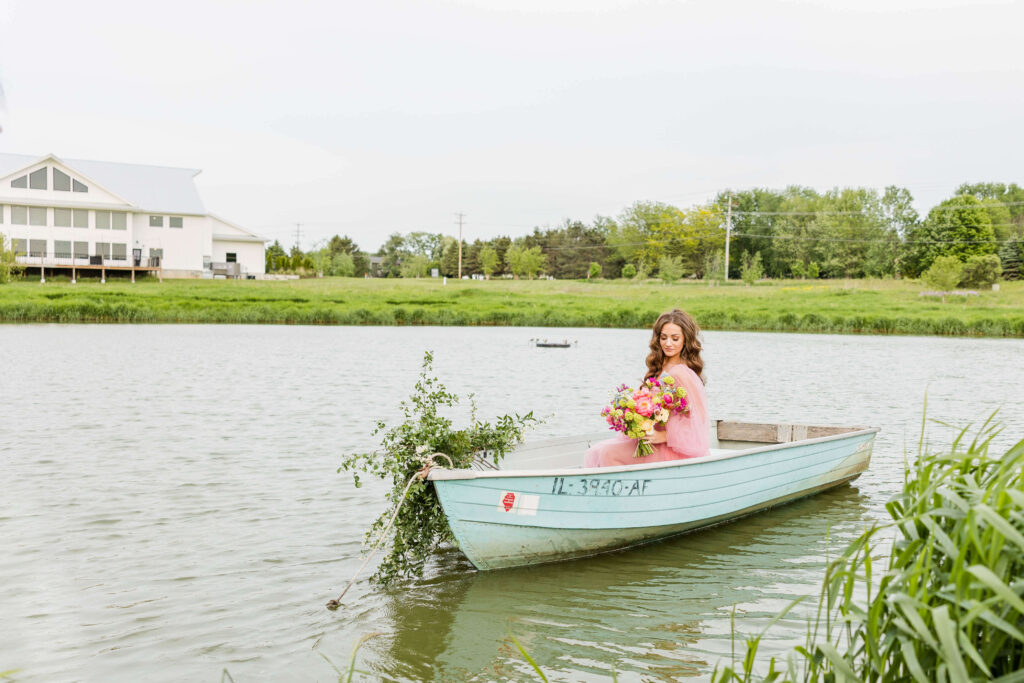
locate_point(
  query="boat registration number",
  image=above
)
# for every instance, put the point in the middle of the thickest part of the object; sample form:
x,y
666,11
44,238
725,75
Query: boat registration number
x,y
599,487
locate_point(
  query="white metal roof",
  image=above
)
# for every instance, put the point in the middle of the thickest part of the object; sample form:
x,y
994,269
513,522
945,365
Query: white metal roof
x,y
160,189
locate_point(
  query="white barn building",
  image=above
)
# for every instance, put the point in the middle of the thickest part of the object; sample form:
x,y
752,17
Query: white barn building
x,y
67,212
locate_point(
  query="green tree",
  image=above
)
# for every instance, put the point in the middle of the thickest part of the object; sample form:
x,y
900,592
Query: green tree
x,y
670,268
345,245
488,260
981,271
629,271
426,244
1010,255
416,265
752,269
594,271
799,270
9,266
534,261
450,257
714,267
944,274
393,252
523,260
343,265
276,258
1006,206
960,227
514,259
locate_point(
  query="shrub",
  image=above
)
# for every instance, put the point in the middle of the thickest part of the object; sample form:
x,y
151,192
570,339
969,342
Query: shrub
x,y
752,270
670,269
594,270
812,270
799,271
944,273
629,271
981,271
9,267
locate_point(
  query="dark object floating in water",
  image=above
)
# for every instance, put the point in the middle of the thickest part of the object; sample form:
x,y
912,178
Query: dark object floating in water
x,y
545,344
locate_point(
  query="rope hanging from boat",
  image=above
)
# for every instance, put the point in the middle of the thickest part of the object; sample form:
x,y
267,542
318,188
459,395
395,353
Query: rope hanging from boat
x,y
421,474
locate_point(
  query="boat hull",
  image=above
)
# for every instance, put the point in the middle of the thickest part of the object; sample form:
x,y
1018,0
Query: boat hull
x,y
522,518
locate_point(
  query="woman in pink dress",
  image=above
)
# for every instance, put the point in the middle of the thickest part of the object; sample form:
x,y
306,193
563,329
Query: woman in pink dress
x,y
675,350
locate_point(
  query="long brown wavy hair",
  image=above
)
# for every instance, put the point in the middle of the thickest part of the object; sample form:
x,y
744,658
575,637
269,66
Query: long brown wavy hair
x,y
689,354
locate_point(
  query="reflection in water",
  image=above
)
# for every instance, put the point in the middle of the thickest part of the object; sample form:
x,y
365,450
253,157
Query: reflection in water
x,y
642,611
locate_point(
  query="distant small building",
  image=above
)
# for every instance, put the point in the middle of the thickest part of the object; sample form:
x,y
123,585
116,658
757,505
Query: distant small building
x,y
64,213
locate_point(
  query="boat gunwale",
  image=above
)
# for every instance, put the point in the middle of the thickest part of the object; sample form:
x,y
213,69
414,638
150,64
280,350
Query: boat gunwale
x,y
445,474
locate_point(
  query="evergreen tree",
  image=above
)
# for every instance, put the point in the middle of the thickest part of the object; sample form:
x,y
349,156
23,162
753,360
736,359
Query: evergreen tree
x,y
1010,255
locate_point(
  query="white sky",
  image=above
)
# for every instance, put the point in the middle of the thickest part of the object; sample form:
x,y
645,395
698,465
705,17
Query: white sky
x,y
366,118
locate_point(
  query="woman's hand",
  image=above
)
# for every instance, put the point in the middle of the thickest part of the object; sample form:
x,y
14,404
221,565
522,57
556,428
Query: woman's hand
x,y
657,437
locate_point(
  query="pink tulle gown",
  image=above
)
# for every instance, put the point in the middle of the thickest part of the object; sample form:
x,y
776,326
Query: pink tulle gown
x,y
688,435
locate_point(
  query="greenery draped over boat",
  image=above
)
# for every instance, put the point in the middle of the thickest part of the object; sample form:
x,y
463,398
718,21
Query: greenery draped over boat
x,y
420,526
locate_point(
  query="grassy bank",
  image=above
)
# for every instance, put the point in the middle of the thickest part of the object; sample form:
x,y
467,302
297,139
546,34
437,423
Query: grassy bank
x,y
838,306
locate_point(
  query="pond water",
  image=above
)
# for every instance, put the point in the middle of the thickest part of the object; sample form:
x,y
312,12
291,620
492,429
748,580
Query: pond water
x,y
171,507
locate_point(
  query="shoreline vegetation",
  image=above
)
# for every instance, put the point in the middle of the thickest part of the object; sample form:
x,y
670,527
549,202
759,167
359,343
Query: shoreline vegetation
x,y
854,306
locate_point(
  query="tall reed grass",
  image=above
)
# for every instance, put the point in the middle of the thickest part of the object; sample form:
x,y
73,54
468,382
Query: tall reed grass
x,y
946,606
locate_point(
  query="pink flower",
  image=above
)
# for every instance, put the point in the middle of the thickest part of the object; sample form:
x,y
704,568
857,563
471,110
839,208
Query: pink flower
x,y
646,404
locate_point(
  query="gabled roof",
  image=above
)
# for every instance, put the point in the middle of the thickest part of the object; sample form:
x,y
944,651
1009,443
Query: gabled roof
x,y
243,235
160,189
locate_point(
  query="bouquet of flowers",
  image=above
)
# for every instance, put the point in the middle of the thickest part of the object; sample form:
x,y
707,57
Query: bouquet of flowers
x,y
637,412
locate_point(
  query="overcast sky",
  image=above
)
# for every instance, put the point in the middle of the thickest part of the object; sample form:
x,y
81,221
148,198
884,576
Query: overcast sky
x,y
366,118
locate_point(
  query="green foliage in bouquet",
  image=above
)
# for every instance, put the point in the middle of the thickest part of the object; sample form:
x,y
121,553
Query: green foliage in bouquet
x,y
421,527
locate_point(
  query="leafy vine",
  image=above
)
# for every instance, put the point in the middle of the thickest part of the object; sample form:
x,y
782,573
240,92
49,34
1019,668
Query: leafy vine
x,y
421,526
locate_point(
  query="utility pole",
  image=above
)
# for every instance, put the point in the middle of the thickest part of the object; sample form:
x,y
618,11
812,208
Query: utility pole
x,y
728,233
298,235
461,216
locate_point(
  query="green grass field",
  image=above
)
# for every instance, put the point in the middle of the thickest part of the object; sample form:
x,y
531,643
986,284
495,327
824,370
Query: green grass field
x,y
839,306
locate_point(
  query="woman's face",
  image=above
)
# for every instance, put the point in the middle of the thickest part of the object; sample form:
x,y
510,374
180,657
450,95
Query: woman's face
x,y
671,340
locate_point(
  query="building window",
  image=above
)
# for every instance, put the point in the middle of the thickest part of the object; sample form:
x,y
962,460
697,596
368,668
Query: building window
x,y
37,179
103,220
156,253
174,221
119,220
119,251
61,181
79,187
231,257
62,248
20,247
62,218
80,218
19,215
156,221
1,213
21,182
37,247
103,249
37,215
81,250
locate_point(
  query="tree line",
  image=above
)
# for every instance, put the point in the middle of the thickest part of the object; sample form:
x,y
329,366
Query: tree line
x,y
795,232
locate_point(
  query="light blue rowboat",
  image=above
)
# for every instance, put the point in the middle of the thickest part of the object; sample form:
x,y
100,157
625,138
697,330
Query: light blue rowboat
x,y
543,506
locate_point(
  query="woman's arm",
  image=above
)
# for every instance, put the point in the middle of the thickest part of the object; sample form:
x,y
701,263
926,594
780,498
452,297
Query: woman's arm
x,y
689,434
